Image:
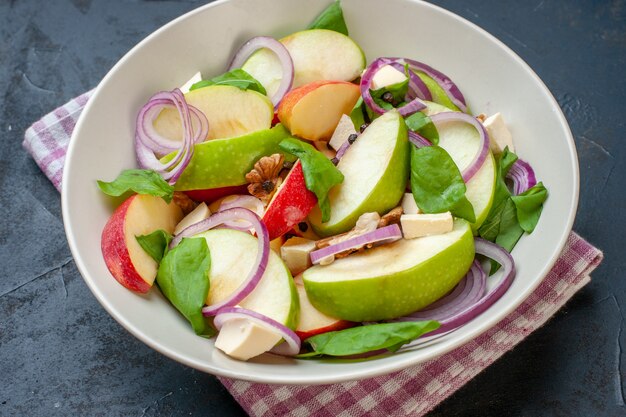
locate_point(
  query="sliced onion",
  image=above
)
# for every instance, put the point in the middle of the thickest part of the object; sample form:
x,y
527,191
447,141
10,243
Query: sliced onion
x,y
281,52
418,140
450,88
290,348
411,107
522,175
245,201
460,317
149,144
342,149
387,234
262,256
483,146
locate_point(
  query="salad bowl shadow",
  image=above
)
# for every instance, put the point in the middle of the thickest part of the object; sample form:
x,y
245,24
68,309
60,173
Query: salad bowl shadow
x,y
492,77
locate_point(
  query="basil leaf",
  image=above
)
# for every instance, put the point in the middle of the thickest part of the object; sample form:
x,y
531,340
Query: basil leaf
x,y
437,184
141,181
155,244
236,78
359,114
332,19
368,338
183,277
529,205
418,122
509,230
398,92
320,175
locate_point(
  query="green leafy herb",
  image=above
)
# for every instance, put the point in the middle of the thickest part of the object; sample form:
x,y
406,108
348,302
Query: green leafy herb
x,y
236,78
332,19
398,92
358,114
437,184
418,122
155,244
141,181
503,165
320,175
183,277
362,339
529,205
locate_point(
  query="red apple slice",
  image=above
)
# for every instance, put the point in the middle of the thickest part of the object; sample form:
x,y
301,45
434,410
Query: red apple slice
x,y
313,110
290,205
312,321
139,215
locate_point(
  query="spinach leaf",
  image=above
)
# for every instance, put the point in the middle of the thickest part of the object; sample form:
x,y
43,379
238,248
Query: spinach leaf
x,y
418,122
503,165
355,340
236,78
437,184
332,19
359,114
155,244
529,205
398,92
141,181
320,175
183,277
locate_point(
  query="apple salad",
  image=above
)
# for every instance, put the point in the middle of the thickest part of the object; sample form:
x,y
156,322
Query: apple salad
x,y
307,203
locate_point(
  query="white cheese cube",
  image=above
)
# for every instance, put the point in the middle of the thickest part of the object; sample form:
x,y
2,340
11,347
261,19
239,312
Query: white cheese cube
x,y
387,75
295,252
409,206
244,339
198,214
196,78
418,225
344,129
499,135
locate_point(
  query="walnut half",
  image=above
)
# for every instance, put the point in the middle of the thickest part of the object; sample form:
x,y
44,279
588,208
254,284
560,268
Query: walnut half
x,y
264,178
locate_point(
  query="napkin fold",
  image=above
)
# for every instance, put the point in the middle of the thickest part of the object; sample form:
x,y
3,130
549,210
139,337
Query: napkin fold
x,y
413,391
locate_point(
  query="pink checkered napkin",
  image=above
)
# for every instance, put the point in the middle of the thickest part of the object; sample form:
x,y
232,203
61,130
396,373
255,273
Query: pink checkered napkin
x,y
413,391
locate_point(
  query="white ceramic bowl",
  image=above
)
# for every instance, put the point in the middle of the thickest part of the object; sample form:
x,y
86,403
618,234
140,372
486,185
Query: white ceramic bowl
x,y
490,75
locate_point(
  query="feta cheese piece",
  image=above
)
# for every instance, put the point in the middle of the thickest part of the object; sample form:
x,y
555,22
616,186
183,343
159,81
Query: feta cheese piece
x,y
499,135
409,206
196,78
385,76
243,339
418,225
344,129
198,214
295,252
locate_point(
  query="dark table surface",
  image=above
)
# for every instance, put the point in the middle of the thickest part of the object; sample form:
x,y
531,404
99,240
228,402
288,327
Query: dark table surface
x,y
62,354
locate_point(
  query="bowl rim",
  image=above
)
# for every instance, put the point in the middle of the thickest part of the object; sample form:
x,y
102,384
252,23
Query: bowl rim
x,y
372,369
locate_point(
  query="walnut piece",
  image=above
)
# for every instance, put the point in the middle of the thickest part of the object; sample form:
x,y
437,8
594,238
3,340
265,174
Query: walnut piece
x,y
265,178
393,217
482,117
186,204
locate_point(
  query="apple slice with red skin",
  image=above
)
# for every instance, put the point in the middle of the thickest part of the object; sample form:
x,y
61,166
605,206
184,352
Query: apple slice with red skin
x,y
290,205
312,321
139,215
313,110
212,194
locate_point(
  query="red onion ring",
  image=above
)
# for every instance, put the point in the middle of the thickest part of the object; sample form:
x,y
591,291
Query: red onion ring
x,y
417,87
262,256
244,201
460,317
292,346
411,107
522,175
281,52
148,143
418,140
483,147
383,235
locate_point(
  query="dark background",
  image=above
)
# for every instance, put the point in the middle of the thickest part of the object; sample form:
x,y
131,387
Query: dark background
x,y
62,354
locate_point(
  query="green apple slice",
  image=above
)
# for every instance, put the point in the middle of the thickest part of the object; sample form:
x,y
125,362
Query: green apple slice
x,y
439,95
461,141
375,170
317,54
230,111
232,255
224,162
392,280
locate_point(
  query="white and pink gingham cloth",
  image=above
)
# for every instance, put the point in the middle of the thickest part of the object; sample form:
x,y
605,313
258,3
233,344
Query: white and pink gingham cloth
x,y
413,391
